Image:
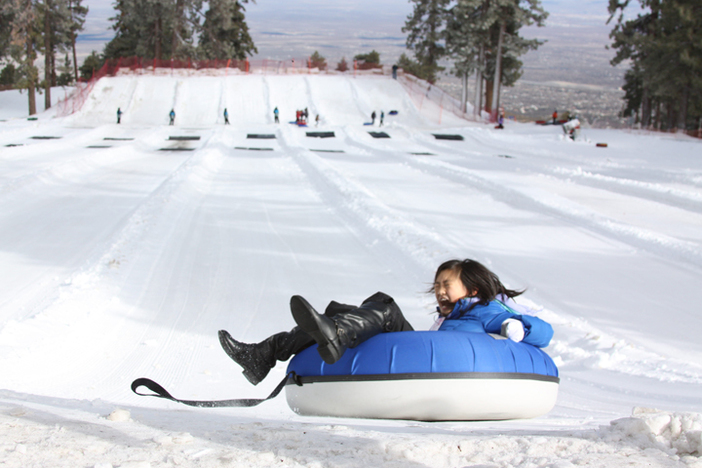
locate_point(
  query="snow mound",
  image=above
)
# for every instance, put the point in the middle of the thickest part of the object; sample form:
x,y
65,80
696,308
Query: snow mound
x,y
675,433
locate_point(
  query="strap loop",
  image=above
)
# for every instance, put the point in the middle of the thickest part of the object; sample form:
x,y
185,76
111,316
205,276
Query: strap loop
x,y
160,392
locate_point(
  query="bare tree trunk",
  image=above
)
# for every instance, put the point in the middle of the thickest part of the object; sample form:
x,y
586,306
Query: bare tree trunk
x,y
464,92
54,79
645,109
177,28
478,98
73,42
489,87
671,119
31,92
47,54
682,109
157,34
75,61
498,73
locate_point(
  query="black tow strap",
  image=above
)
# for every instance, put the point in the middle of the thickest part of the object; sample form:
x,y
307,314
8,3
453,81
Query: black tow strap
x,y
161,392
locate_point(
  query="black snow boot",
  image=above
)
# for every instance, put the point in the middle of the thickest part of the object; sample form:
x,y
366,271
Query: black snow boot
x,y
257,359
348,328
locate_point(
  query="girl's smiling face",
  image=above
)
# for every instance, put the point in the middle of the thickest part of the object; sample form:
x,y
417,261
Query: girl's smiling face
x,y
448,289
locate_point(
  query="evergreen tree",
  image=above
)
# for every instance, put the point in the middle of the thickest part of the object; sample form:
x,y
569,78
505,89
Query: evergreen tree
x,y
425,28
25,40
664,46
317,61
225,33
368,61
144,28
7,75
342,66
6,19
77,13
65,76
482,37
58,24
414,67
91,65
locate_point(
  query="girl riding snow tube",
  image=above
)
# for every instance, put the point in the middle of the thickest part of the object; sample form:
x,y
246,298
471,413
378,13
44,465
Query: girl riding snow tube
x,y
469,298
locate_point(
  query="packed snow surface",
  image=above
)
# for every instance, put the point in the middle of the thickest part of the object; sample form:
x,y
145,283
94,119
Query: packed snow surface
x,y
122,252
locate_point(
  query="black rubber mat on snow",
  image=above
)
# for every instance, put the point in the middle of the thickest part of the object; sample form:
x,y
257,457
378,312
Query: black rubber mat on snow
x,y
321,134
439,136
261,136
184,138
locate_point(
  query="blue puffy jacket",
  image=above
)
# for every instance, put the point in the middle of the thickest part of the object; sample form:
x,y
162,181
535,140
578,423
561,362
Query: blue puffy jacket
x,y
488,319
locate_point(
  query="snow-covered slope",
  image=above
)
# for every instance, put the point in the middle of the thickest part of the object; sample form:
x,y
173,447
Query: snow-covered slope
x,y
123,251
199,101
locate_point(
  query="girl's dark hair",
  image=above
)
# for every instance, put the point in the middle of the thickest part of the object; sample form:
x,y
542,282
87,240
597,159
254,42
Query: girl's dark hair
x,y
475,276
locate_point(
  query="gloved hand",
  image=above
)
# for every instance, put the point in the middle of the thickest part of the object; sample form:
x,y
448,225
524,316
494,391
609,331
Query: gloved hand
x,y
513,329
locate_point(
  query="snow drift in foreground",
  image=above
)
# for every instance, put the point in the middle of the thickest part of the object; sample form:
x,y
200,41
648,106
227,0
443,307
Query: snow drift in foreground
x,y
123,249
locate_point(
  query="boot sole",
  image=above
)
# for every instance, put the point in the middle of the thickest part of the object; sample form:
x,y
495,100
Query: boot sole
x,y
311,323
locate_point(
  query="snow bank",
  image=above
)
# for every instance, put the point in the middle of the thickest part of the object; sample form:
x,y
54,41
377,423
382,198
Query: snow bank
x,y
674,433
95,435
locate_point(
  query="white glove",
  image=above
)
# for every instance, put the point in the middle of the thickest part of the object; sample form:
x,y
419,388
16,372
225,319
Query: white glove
x,y
513,329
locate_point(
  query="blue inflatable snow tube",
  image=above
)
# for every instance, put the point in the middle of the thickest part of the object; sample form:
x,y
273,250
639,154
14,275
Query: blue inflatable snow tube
x,y
429,352
428,376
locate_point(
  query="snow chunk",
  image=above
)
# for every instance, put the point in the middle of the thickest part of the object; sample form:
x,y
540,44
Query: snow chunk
x,y
119,415
675,433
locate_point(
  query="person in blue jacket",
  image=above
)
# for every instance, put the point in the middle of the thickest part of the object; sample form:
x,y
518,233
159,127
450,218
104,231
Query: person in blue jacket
x,y
469,298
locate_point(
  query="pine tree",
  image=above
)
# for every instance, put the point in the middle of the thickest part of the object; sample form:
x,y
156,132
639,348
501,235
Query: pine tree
x,y
664,46
425,28
317,61
143,28
57,24
91,64
225,33
368,60
25,40
6,19
482,37
65,76
342,66
77,13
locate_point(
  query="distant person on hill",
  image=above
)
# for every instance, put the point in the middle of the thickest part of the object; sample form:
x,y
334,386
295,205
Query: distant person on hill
x,y
394,72
500,121
226,117
373,118
316,120
171,116
382,116
555,116
119,115
275,115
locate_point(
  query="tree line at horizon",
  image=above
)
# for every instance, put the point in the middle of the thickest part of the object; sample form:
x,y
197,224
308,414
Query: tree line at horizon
x,y
477,38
